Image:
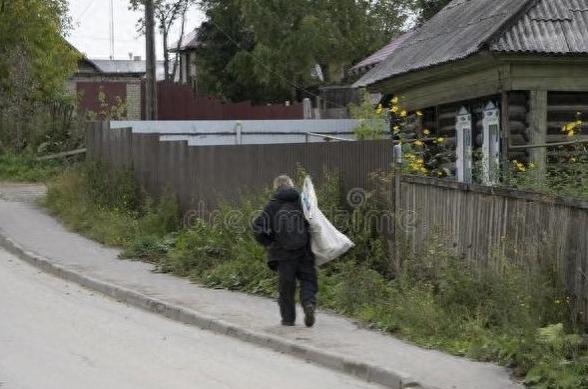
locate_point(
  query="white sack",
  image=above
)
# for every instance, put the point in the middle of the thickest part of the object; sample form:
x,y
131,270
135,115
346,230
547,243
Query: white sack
x,y
327,243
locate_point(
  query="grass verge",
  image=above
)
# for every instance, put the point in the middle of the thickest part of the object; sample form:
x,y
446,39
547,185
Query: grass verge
x,y
516,313
24,168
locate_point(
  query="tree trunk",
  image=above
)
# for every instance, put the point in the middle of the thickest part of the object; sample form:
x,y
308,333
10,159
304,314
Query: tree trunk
x,y
180,41
165,55
151,83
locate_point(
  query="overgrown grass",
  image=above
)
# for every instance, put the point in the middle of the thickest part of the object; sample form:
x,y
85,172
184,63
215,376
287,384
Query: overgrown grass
x,y
24,168
110,208
516,313
568,179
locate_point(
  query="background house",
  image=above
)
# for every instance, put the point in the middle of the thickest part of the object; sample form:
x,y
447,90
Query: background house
x,y
187,58
376,58
528,57
116,79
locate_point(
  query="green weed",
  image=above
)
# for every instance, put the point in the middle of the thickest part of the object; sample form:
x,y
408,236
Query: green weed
x,y
24,168
516,313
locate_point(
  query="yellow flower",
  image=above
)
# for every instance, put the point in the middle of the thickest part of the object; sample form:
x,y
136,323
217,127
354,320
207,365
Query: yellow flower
x,y
419,113
569,127
571,134
426,132
573,159
532,165
419,143
579,123
403,113
379,109
394,108
439,174
440,140
521,167
420,161
394,100
424,170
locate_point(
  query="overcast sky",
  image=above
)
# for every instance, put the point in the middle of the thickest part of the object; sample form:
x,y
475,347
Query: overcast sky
x,y
91,34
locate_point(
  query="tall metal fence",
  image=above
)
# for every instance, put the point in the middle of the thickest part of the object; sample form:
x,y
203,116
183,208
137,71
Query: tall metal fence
x,y
205,175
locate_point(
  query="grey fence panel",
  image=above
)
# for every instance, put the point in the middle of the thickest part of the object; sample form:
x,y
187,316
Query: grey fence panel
x,y
482,222
205,175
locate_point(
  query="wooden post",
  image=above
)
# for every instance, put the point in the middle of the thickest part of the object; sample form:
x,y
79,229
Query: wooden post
x,y
307,108
463,128
239,133
538,127
505,129
151,82
397,165
491,146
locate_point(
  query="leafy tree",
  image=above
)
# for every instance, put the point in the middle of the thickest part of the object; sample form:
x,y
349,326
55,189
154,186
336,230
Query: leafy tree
x,y
167,12
35,62
223,59
276,45
429,8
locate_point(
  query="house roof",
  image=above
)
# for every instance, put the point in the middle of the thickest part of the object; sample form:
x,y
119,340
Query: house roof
x,y
465,27
132,67
189,42
551,26
380,55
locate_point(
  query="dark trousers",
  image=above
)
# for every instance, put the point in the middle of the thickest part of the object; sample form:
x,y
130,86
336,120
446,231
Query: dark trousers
x,y
289,271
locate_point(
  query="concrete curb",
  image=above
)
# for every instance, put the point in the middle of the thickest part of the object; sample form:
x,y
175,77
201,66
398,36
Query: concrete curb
x,y
370,373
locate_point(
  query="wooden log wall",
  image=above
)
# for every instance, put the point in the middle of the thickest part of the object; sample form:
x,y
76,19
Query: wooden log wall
x,y
562,108
518,124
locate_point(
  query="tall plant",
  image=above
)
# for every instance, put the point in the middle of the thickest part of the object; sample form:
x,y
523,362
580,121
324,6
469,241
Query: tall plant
x,y
35,61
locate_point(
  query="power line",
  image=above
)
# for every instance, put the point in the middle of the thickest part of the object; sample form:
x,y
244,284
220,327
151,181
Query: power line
x,y
111,29
83,13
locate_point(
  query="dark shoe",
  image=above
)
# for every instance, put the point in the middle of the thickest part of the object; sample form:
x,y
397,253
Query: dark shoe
x,y
309,318
288,323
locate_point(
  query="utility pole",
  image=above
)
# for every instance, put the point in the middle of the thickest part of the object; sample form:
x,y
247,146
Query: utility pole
x,y
151,84
111,29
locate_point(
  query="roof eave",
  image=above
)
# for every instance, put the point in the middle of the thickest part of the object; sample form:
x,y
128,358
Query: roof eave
x,y
471,62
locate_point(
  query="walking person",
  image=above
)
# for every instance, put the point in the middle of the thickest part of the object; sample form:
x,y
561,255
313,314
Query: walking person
x,y
283,230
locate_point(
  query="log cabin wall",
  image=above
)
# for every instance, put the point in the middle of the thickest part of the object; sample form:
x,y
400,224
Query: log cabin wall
x,y
518,125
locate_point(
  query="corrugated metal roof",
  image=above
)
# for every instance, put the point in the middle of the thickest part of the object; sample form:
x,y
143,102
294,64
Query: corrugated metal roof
x,y
135,67
551,26
190,41
456,32
381,54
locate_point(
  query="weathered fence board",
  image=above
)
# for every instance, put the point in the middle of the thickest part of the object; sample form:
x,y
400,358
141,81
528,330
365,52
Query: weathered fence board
x,y
481,222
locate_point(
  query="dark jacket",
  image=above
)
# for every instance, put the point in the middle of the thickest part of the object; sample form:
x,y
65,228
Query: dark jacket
x,y
264,227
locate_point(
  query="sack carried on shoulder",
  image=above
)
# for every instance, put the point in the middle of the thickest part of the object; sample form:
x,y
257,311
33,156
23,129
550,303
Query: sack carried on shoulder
x,y
327,243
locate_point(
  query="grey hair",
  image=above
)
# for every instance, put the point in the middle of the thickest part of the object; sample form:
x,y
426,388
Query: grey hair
x,y
283,181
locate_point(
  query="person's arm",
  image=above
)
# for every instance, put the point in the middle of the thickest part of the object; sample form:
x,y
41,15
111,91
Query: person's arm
x,y
262,227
